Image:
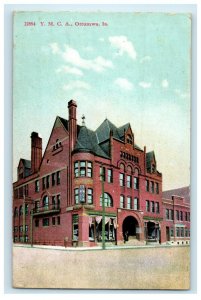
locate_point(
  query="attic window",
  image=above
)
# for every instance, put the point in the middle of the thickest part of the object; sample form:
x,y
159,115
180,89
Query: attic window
x,y
57,145
129,139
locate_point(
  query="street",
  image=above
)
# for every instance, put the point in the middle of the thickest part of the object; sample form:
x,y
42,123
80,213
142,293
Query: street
x,y
134,268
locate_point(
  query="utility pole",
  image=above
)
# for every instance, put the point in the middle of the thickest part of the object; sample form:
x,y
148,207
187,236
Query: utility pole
x,y
103,206
31,228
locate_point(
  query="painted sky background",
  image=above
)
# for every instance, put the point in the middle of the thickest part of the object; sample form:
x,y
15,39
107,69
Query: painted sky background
x,y
136,69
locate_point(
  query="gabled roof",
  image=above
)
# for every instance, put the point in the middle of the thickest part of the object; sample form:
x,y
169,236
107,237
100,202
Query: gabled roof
x,y
64,122
122,129
103,131
26,163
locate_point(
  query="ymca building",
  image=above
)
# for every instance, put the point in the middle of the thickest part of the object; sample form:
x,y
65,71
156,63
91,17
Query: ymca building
x,y
88,186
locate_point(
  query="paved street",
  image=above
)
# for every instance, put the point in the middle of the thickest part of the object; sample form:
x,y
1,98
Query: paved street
x,y
132,268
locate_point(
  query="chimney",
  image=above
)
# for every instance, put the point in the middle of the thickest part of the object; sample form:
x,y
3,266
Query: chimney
x,y
72,106
36,152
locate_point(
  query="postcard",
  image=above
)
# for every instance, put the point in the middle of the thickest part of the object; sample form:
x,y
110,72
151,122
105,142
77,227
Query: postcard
x,y
101,150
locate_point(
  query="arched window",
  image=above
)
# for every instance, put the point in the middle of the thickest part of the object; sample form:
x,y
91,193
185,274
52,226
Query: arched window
x,y
122,167
45,201
26,209
15,212
21,210
136,172
129,169
108,200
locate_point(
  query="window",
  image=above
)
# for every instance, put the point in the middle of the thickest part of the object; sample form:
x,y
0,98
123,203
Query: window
x,y
177,232
136,203
189,217
53,202
53,179
21,210
108,200
36,223
102,173
15,229
128,181
58,201
37,186
76,196
152,187
181,215
121,179
147,185
147,205
177,215
43,183
21,228
171,214
45,202
53,221
157,188
122,201
129,139
89,169
89,196
37,206
109,176
186,216
157,207
16,212
26,228
58,221
26,190
75,228
83,168
26,209
167,214
136,183
172,232
58,177
182,232
186,232
152,207
47,181
128,202
46,222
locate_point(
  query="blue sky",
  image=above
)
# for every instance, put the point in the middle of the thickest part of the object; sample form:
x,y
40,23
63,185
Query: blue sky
x,y
136,69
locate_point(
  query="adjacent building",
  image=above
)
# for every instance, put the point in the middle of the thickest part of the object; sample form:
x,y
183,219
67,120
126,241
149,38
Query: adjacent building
x,y
176,205
88,186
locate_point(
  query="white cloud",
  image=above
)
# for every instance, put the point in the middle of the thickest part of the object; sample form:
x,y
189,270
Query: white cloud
x,y
101,39
165,83
145,85
76,84
69,70
123,45
145,58
99,64
55,48
124,84
181,94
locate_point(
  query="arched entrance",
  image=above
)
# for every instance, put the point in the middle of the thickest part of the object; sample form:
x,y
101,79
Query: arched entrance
x,y
130,228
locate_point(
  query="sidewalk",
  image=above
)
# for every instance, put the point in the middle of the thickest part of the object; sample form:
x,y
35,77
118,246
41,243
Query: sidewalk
x,y
111,247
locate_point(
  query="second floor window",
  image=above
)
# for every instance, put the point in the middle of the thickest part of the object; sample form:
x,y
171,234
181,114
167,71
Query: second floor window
x,y
136,204
58,177
37,186
89,196
136,183
45,202
147,205
122,201
129,202
121,179
76,196
128,181
83,169
109,176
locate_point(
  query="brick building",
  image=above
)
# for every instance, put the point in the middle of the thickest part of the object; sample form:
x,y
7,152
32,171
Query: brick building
x,y
58,196
176,206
